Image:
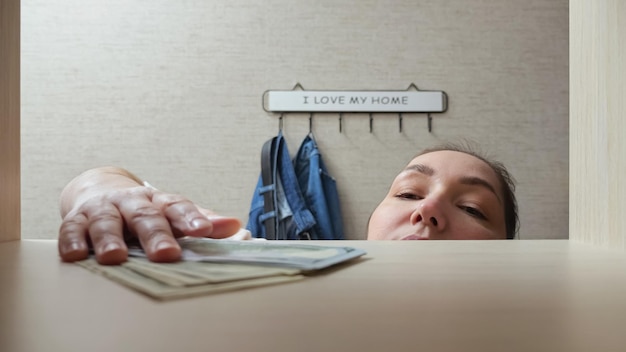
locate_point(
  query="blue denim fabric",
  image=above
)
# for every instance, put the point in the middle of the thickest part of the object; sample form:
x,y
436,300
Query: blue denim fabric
x,y
308,202
320,191
295,220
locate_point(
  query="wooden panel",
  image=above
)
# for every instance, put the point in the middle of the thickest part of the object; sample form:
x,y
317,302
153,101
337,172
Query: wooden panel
x,y
539,296
597,146
9,120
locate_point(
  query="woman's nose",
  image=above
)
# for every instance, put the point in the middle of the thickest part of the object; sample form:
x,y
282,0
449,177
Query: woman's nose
x,y
430,212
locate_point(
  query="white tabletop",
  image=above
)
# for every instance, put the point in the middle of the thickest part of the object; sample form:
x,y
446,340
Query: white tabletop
x,y
546,295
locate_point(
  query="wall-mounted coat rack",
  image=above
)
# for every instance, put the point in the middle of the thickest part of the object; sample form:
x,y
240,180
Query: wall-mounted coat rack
x,y
411,100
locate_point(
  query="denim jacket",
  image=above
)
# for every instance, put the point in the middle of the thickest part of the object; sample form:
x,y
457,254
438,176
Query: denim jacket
x,y
319,190
307,200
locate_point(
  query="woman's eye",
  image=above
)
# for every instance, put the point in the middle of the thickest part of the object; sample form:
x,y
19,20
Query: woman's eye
x,y
410,196
474,212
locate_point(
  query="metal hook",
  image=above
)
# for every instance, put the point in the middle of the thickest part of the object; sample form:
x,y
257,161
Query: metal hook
x,y
430,123
371,122
280,123
340,121
310,123
400,122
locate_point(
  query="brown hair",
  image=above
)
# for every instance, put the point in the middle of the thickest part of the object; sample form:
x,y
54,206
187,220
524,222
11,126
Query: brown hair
x,y
507,182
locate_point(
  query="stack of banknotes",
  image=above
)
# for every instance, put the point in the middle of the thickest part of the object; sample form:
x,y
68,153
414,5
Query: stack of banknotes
x,y
211,266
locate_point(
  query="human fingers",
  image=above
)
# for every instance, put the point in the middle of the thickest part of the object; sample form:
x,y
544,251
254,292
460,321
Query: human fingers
x,y
187,219
72,241
147,221
98,221
223,226
183,215
105,230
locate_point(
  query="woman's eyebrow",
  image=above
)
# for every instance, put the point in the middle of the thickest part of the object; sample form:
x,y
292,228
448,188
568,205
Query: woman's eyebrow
x,y
423,169
477,181
466,180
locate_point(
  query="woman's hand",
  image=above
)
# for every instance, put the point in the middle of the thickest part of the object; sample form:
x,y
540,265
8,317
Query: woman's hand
x,y
104,207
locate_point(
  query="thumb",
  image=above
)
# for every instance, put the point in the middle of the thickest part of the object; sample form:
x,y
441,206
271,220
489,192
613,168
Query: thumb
x,y
223,226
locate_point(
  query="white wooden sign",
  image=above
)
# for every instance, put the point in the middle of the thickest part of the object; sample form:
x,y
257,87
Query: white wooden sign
x,y
354,101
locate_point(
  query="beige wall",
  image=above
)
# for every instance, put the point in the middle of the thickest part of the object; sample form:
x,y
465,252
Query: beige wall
x,y
597,145
9,120
172,90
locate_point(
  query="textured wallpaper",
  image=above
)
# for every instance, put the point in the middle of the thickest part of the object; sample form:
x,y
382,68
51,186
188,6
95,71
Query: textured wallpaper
x,y
172,91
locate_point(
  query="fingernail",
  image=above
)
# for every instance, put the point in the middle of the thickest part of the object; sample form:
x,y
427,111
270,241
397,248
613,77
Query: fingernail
x,y
72,247
111,246
199,223
162,245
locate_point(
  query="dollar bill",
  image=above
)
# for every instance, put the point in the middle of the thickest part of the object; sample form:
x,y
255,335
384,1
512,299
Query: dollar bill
x,y
276,253
166,282
213,266
199,273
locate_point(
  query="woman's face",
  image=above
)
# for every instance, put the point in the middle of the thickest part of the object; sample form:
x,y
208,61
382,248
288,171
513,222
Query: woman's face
x,y
442,195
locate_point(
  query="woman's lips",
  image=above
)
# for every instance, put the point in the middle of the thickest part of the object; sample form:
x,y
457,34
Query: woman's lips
x,y
414,238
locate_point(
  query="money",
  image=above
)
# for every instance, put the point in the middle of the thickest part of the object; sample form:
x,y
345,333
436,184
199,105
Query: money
x,y
213,266
172,281
276,253
198,273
